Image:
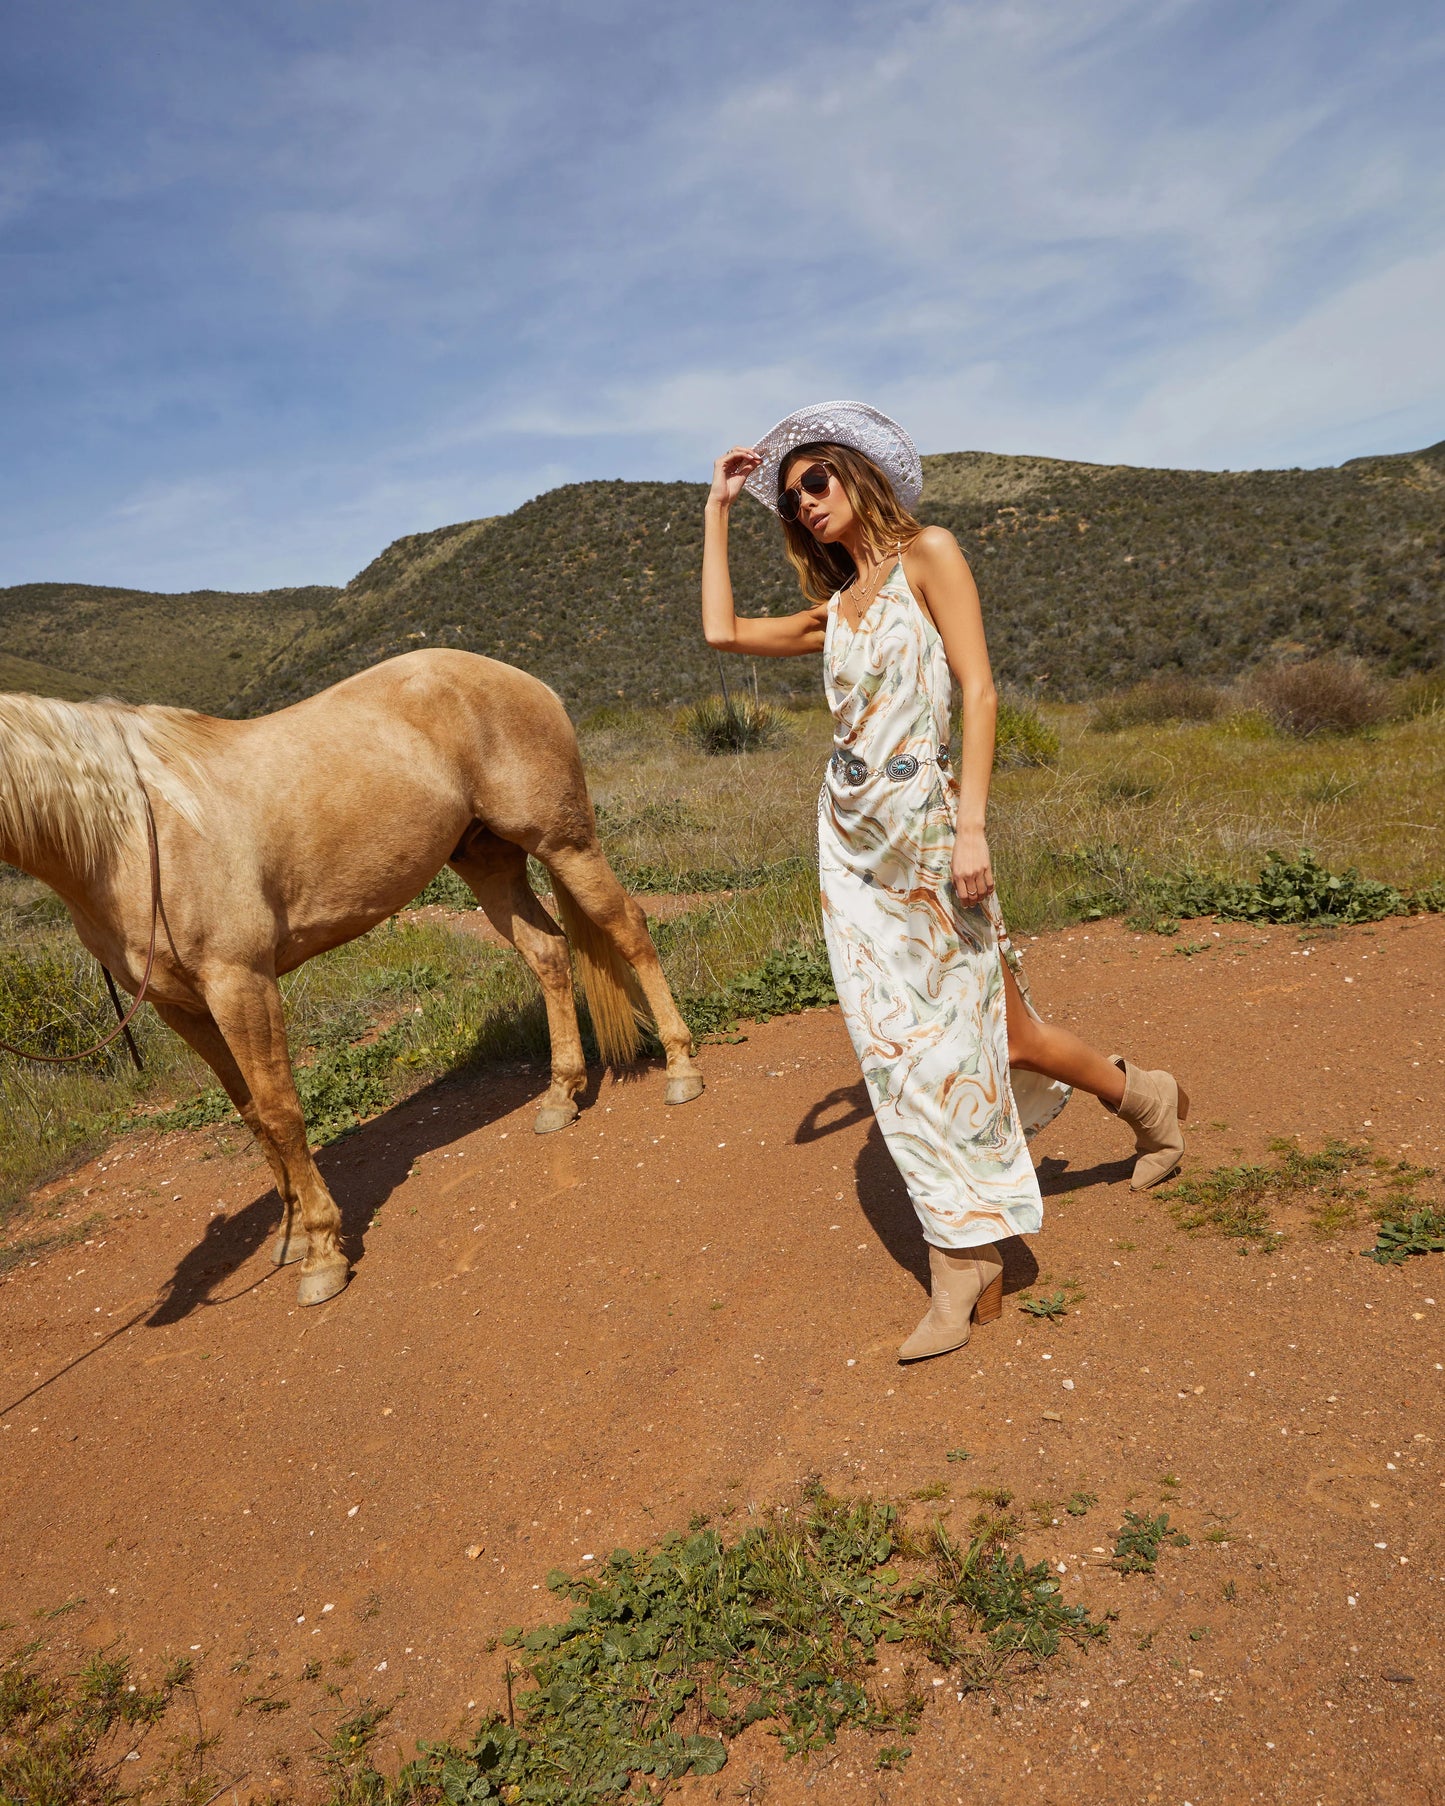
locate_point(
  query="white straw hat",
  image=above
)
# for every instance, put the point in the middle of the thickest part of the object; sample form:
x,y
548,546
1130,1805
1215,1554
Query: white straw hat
x,y
851,423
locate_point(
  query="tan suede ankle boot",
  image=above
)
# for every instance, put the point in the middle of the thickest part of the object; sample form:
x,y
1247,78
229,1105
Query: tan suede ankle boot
x,y
966,1286
1153,1106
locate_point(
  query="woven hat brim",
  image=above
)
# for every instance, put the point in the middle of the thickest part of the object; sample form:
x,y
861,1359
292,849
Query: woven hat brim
x,y
851,423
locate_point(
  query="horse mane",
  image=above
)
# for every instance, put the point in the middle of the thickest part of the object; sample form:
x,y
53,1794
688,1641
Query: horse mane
x,y
74,776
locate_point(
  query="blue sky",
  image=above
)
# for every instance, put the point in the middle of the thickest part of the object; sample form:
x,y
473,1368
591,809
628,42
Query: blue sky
x,y
282,281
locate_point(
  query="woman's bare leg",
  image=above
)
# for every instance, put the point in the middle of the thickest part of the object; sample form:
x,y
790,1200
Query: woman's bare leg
x,y
1055,1052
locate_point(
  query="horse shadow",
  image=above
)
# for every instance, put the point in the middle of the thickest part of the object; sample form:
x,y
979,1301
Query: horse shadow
x,y
883,1197
362,1169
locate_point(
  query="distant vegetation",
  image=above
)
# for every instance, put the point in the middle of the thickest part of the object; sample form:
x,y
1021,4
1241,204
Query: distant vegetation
x,y
78,640
1095,578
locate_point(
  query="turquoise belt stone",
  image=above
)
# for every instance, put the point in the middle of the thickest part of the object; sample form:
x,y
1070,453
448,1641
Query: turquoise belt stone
x,y
900,767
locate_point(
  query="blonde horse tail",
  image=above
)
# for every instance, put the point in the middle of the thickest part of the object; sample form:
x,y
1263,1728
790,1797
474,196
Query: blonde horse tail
x,y
608,982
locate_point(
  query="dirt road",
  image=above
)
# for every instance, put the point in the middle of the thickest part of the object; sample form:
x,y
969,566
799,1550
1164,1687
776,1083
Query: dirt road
x,y
553,1346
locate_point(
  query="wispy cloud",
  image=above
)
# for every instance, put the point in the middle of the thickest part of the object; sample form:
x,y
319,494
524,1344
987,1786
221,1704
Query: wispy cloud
x,y
282,283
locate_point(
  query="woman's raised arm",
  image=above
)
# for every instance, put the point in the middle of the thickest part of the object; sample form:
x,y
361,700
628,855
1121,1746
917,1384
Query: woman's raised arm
x,y
760,636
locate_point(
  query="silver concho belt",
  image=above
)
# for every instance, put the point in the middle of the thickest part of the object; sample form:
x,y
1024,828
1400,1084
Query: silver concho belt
x,y
900,767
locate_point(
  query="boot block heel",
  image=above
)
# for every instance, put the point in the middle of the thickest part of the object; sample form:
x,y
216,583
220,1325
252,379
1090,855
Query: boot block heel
x,y
990,1301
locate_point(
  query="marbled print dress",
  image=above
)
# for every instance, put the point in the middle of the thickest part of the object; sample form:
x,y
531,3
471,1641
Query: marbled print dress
x,y
917,973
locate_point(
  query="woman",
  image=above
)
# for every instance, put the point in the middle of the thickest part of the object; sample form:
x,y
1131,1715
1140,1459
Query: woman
x,y
929,986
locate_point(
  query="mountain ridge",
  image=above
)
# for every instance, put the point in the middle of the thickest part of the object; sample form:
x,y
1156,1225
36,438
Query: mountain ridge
x,y
1093,576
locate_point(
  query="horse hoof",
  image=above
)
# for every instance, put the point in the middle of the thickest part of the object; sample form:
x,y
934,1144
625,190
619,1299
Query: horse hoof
x,y
552,1117
683,1090
288,1248
324,1283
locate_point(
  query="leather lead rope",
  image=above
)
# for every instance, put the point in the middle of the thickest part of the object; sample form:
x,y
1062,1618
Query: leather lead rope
x,y
123,1027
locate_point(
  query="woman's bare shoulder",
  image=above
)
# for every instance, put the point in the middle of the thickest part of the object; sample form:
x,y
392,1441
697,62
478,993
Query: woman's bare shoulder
x,y
935,548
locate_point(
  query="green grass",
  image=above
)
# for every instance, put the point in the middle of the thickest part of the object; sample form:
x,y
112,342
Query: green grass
x,y
1150,819
1330,1187
64,1737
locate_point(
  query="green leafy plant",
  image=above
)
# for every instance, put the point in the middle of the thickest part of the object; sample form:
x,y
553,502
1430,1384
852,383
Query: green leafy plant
x,y
1420,1232
1288,890
1140,1540
1079,1503
1050,1307
672,1651
791,978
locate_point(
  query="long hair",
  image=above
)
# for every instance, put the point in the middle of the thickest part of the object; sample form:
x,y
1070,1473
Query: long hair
x,y
822,569
71,775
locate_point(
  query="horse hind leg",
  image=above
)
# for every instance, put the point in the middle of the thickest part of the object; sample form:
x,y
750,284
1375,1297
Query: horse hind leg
x,y
201,1033
595,908
496,872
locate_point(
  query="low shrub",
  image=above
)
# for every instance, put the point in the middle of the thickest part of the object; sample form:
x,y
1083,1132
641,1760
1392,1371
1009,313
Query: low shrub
x,y
1152,704
1319,696
1288,890
1022,737
53,1000
720,724
792,978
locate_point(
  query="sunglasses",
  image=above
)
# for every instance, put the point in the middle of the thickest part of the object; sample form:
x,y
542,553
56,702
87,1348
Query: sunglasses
x,y
815,480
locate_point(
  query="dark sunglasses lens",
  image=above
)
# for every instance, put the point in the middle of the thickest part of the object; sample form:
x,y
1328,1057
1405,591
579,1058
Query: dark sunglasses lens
x,y
815,480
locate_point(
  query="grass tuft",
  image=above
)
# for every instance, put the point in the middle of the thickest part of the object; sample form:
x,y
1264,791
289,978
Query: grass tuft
x,y
63,1737
1233,1201
720,724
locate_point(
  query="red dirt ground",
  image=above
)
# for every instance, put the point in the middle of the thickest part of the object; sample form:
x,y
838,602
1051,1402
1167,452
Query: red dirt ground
x,y
557,1345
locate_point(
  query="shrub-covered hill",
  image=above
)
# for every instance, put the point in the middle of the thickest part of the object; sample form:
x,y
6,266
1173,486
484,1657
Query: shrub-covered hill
x,y
79,640
1092,576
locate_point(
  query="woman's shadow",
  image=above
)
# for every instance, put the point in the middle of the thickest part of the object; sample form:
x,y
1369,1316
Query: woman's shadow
x,y
883,1197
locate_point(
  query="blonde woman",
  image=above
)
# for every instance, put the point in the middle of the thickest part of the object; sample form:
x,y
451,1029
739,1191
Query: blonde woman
x,y
960,1068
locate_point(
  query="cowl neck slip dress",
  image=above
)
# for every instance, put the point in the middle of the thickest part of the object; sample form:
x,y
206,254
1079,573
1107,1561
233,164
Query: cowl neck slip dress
x,y
917,972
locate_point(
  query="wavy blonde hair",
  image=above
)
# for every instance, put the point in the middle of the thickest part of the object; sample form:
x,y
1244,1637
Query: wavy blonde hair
x,y
822,569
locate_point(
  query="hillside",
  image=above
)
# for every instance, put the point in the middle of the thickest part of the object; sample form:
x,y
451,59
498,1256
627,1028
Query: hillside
x,y
1092,575
79,640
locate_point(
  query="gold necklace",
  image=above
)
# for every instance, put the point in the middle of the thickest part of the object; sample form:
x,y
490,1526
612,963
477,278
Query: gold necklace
x,y
865,596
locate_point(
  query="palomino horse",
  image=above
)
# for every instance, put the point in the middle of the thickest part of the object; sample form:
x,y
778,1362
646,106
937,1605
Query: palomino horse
x,y
281,837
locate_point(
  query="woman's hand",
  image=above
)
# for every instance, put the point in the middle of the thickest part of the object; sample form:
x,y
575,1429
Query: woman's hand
x,y
729,474
972,869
